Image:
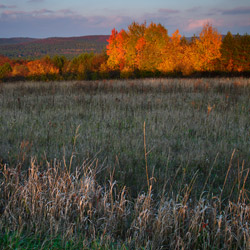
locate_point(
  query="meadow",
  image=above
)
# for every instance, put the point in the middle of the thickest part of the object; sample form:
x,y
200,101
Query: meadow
x,y
125,164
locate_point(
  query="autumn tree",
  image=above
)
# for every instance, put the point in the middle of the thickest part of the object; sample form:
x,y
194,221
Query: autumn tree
x,y
172,54
116,49
150,47
97,62
181,54
207,48
43,66
20,70
135,33
112,50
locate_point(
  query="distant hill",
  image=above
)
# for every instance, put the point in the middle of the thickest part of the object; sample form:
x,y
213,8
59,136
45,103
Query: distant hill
x,y
31,48
16,40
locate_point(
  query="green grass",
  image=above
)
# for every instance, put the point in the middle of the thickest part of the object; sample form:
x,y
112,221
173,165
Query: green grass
x,y
74,164
17,241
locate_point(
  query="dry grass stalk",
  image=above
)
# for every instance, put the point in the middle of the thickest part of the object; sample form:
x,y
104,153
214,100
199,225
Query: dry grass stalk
x,y
52,201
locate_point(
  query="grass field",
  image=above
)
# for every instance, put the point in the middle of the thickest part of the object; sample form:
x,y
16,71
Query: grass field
x,y
156,164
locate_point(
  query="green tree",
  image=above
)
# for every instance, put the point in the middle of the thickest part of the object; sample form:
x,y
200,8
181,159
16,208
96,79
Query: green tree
x,y
59,62
243,45
5,70
82,65
229,53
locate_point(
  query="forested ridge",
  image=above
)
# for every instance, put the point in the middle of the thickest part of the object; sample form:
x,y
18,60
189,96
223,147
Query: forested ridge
x,y
33,48
142,51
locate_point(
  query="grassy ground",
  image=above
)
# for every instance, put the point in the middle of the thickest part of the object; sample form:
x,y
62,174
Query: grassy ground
x,y
144,150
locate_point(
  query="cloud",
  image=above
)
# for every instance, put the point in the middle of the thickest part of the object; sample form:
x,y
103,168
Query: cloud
x,y
2,6
167,17
237,11
35,1
168,11
194,9
10,14
65,22
197,24
42,13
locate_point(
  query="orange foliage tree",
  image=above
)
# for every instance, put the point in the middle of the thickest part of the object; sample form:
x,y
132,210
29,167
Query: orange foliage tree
x,y
42,67
20,69
116,49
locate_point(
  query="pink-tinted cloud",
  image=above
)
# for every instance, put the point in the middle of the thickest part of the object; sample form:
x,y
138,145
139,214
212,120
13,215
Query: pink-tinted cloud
x,y
197,24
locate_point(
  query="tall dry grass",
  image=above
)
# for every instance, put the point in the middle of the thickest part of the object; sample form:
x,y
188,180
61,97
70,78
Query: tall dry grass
x,y
50,200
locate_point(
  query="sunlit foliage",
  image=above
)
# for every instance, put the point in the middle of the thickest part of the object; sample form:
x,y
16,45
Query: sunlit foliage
x,y
150,48
41,67
207,48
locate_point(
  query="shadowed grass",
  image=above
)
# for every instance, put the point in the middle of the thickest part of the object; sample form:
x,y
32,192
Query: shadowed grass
x,y
189,124
151,164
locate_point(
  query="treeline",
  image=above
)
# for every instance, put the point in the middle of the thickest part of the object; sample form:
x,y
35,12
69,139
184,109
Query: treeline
x,y
143,51
86,66
150,48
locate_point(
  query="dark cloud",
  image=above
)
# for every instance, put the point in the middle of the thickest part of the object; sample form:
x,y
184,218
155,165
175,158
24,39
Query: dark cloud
x,y
237,11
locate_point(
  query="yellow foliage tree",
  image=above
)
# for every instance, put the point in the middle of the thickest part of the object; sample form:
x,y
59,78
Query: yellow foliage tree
x,y
207,48
150,48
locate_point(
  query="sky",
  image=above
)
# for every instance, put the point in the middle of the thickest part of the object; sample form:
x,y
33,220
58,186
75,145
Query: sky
x,y
64,18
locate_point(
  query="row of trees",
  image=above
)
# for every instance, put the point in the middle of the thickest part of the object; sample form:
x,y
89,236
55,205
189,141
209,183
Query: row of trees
x,y
141,51
85,66
150,48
